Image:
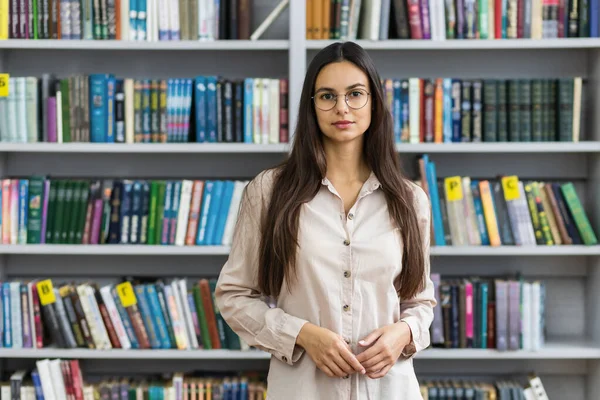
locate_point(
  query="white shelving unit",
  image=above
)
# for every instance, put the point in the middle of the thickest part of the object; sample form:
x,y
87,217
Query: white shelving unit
x,y
569,366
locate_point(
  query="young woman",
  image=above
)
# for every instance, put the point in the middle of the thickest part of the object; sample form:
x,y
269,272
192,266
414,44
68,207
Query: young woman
x,y
340,239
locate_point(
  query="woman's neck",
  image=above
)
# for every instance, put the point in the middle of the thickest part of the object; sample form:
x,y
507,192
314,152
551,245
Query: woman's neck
x,y
345,162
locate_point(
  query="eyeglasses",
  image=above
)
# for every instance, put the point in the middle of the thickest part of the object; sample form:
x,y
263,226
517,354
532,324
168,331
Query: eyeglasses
x,y
355,99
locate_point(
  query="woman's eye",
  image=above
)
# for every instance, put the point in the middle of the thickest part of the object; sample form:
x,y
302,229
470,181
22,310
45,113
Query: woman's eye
x,y
356,94
327,96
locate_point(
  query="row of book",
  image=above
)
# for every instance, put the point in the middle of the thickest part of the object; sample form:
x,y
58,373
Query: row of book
x,y
502,313
503,211
101,108
121,211
450,19
134,314
443,110
141,20
63,379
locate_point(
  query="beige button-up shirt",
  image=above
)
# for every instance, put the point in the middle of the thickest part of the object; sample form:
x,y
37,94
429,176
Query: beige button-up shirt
x,y
346,268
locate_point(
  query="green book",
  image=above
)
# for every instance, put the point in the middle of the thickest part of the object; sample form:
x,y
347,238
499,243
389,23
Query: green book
x,y
68,211
35,201
76,210
152,212
83,203
51,211
160,208
577,212
61,190
66,110
202,317
220,321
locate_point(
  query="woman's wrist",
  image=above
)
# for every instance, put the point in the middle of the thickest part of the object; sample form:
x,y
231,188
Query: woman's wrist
x,y
304,333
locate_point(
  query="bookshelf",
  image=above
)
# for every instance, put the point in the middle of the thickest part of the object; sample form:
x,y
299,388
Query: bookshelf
x,y
570,367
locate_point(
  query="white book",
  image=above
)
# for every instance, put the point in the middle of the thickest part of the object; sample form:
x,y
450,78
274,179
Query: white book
x,y
128,89
232,216
184,211
174,22
182,283
12,111
164,29
473,233
181,312
491,19
21,91
370,20
414,96
577,82
115,317
57,380
124,20
89,316
176,317
43,367
274,111
88,393
16,315
102,332
4,119
31,108
5,393
265,111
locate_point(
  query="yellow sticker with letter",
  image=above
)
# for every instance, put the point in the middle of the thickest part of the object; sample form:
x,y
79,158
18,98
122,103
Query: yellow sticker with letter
x,y
510,184
126,294
46,292
4,78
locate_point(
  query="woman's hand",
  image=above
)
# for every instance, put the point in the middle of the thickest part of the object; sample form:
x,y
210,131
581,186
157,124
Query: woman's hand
x,y
329,351
387,345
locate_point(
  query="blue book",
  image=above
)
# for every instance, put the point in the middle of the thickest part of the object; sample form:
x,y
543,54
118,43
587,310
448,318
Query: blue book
x,y
594,6
215,207
174,211
7,316
170,110
166,221
200,98
98,108
483,286
397,111
111,88
405,107
146,112
211,108
146,313
217,236
37,384
447,113
438,223
189,88
125,318
159,318
133,10
485,240
136,213
23,210
456,110
248,114
142,7
201,237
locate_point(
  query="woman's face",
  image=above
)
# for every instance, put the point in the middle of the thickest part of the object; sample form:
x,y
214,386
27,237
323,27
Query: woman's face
x,y
337,120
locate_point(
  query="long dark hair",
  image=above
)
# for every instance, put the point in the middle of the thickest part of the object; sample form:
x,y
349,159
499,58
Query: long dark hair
x,y
298,179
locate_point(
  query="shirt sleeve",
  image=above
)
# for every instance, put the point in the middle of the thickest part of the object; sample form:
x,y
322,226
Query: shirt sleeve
x,y
237,294
418,311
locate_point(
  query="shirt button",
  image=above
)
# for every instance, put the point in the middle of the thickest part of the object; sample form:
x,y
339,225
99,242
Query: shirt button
x,y
346,242
346,307
350,216
346,274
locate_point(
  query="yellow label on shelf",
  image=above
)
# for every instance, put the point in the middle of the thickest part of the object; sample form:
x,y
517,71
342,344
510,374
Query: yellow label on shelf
x,y
126,294
46,292
454,188
4,85
510,184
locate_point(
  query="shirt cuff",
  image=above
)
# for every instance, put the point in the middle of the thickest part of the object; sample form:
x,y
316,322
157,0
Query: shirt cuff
x,y
419,340
287,332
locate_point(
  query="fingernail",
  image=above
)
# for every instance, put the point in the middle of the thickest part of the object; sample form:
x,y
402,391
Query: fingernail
x,y
362,372
362,342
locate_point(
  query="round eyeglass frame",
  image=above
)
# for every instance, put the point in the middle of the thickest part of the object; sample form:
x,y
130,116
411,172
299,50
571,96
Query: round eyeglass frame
x,y
345,99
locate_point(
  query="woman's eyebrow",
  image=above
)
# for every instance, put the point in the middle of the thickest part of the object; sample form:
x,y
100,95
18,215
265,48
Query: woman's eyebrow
x,y
348,88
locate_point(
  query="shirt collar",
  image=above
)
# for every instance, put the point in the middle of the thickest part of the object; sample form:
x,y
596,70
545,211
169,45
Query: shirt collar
x,y
371,184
